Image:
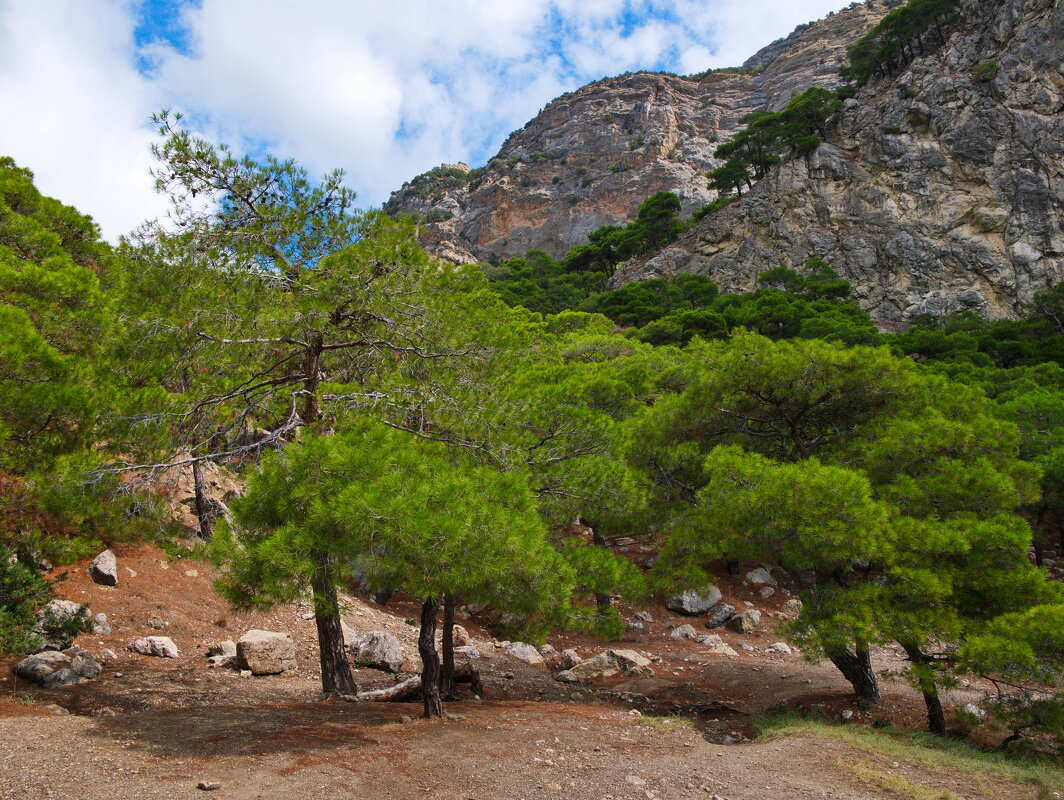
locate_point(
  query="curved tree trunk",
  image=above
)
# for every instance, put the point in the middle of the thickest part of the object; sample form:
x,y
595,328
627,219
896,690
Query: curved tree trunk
x,y
603,602
430,661
447,681
856,667
936,717
203,506
336,677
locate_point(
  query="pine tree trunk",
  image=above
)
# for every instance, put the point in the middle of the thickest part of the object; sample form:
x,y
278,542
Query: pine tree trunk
x,y
447,681
203,509
936,718
856,667
336,677
430,661
603,602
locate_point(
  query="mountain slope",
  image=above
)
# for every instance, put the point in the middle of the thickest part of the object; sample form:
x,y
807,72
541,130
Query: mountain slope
x,y
939,191
591,156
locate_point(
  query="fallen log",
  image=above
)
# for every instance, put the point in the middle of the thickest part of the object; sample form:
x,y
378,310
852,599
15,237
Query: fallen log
x,y
411,688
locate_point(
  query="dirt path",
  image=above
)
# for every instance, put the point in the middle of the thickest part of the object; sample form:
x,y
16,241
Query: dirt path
x,y
489,750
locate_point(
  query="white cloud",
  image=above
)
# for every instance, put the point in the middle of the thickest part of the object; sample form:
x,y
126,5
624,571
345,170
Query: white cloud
x,y
385,90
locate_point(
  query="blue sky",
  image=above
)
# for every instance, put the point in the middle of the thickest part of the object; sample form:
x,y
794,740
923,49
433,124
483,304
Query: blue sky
x,y
383,90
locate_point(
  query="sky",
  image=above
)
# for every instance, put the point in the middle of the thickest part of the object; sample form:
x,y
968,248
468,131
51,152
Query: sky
x,y
384,89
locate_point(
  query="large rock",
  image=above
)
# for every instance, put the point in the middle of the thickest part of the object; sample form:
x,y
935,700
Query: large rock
x,y
747,622
761,576
379,650
159,646
104,569
60,621
570,658
694,601
683,632
719,614
266,652
524,652
52,669
792,607
613,662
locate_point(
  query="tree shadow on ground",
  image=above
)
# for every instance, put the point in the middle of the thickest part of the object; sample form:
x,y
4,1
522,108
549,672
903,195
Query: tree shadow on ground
x,y
248,730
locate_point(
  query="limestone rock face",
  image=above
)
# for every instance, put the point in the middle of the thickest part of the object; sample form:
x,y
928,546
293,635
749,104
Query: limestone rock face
x,y
592,156
266,652
937,191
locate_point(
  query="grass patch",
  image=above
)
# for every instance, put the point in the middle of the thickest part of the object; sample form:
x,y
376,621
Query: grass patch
x,y
871,774
673,723
919,747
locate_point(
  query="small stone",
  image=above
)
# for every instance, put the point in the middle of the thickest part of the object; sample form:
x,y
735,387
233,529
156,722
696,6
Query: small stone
x,y
683,632
972,710
635,780
792,607
761,575
208,786
192,573
719,614
716,644
642,616
226,648
767,592
460,637
847,714
468,651
779,647
104,569
157,623
405,719
108,655
566,676
159,646
570,658
100,626
745,646
524,652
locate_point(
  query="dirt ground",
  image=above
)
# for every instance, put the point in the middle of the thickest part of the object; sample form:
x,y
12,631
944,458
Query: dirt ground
x,y
155,728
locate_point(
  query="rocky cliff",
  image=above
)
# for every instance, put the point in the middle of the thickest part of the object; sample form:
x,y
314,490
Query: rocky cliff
x,y
939,190
591,156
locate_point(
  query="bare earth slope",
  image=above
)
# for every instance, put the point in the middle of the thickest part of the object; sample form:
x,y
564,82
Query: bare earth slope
x,y
154,728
